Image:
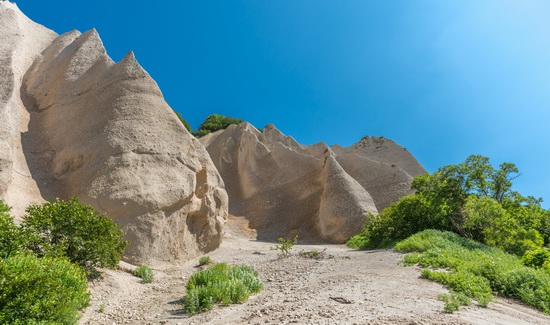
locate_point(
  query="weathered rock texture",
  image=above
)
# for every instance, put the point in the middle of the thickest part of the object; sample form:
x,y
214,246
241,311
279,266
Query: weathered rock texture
x,y
315,192
102,131
381,166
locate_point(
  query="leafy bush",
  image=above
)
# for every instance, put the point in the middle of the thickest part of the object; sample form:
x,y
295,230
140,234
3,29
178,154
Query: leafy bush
x,y
472,199
41,290
74,230
220,284
536,258
145,273
214,123
284,246
476,270
9,232
205,260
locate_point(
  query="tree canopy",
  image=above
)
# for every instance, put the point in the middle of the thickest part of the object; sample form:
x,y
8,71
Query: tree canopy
x,y
214,123
473,199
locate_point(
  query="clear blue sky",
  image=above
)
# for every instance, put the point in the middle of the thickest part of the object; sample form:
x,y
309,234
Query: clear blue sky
x,y
445,79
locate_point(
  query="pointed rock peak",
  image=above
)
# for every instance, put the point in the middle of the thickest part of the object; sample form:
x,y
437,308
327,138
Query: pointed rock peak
x,y
91,39
130,56
129,67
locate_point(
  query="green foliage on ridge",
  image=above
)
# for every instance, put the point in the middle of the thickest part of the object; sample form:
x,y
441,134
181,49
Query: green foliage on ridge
x,y
214,123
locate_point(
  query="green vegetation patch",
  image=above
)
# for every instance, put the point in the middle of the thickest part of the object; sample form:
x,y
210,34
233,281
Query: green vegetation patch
x,y
145,273
475,270
220,284
73,230
41,290
472,199
205,260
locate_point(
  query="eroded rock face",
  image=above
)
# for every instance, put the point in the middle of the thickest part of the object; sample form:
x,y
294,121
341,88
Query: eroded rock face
x,y
102,131
21,41
315,192
285,189
381,166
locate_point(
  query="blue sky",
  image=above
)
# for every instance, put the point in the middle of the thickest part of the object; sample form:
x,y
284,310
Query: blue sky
x,y
445,79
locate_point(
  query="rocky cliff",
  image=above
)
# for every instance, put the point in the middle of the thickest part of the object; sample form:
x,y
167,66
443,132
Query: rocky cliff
x,y
75,123
316,192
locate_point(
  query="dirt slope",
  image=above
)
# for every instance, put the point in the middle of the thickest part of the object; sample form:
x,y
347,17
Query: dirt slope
x,y
345,287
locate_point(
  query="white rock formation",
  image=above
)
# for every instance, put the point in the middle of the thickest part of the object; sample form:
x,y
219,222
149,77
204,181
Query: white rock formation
x,y
285,189
381,166
102,131
21,41
315,192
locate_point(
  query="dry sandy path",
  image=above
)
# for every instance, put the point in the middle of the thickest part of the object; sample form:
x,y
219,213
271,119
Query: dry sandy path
x,y
344,287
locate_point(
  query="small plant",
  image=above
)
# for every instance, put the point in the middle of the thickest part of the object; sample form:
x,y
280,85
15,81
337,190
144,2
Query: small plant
x,y
101,309
205,260
454,300
220,284
284,246
145,273
314,254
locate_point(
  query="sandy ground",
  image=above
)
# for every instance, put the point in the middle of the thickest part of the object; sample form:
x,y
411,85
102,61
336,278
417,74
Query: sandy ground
x,y
342,287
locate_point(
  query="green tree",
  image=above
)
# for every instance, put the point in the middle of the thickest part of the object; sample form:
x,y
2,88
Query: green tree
x,y
472,199
214,123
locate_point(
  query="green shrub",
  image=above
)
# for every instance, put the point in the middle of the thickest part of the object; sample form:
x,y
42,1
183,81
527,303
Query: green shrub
x,y
536,258
220,284
454,300
214,123
9,232
471,285
145,273
476,270
74,230
284,246
41,290
205,260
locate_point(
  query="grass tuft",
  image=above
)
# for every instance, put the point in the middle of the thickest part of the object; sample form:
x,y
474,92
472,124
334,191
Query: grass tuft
x,y
220,284
145,273
205,260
